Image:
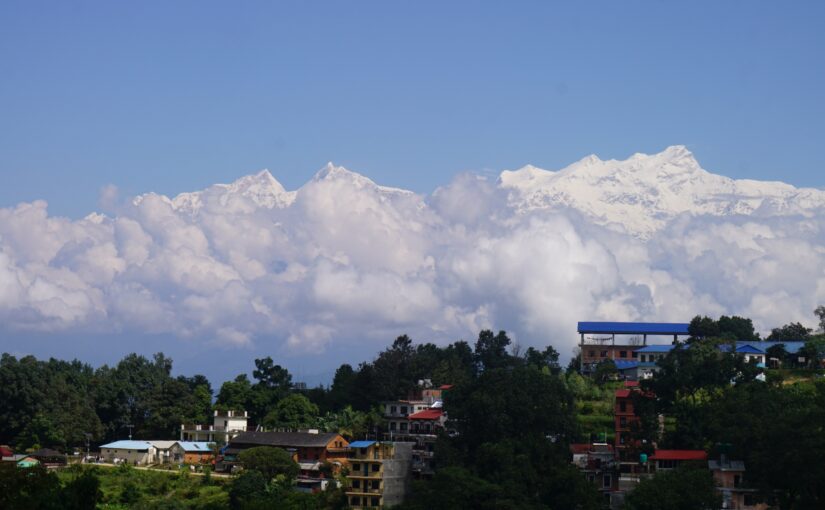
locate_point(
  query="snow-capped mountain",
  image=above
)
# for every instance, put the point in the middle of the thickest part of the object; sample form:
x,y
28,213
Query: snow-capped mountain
x,y
638,196
642,193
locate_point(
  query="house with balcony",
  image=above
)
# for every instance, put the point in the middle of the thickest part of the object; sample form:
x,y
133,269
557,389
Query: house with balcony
x,y
666,460
598,463
380,474
729,476
417,420
225,426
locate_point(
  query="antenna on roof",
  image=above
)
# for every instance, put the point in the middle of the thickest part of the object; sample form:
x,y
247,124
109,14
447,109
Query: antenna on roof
x,y
130,426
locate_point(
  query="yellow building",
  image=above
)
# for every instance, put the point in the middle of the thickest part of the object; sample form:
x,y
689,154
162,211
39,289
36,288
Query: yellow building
x,y
380,473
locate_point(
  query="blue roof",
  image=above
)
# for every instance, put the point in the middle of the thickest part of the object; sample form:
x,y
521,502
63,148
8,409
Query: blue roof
x,y
634,328
128,445
361,444
625,364
791,346
195,446
656,348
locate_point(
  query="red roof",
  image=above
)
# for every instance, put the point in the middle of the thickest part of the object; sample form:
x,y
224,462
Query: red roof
x,y
631,384
679,455
5,451
426,414
445,386
579,448
622,393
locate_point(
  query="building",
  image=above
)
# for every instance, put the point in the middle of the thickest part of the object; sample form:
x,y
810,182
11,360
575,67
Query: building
x,y
309,449
49,457
380,474
192,452
138,453
225,426
597,461
665,460
597,340
418,419
729,477
162,454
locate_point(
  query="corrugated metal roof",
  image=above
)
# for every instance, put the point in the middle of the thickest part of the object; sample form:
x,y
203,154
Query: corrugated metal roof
x,y
195,446
791,346
634,328
679,455
128,445
361,444
625,364
427,414
284,439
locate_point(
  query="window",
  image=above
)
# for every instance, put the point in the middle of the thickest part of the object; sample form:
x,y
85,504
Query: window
x,y
356,484
392,409
592,354
355,501
623,422
737,479
404,410
606,481
622,406
604,354
622,354
356,467
375,484
374,501
634,354
392,425
403,426
375,468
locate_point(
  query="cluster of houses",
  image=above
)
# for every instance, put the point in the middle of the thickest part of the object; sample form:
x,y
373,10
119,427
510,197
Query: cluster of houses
x,y
44,456
617,468
377,472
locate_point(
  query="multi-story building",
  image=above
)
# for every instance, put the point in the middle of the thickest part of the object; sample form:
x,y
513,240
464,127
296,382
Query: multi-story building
x,y
418,420
729,477
598,340
380,474
225,426
597,461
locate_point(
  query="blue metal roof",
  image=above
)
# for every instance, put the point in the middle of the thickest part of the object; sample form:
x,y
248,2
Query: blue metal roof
x,y
625,365
195,446
361,444
660,348
634,328
128,445
791,346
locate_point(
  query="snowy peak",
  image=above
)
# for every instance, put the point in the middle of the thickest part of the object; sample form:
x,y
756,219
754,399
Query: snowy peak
x,y
641,194
339,175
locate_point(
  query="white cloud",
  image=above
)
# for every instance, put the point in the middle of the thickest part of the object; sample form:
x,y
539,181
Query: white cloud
x,y
345,260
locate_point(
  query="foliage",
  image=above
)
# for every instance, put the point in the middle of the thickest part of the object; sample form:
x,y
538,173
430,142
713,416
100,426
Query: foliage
x,y
269,461
681,489
792,331
292,412
605,371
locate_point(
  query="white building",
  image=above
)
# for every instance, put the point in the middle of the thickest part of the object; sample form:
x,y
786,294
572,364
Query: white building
x,y
138,453
225,426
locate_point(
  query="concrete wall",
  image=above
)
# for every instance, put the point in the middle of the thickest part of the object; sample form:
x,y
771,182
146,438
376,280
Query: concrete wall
x,y
398,474
142,457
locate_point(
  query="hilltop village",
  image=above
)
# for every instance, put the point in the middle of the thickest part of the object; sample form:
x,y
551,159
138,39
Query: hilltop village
x,y
703,414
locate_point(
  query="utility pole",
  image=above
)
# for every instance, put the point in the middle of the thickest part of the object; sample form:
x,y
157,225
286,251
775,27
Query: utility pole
x,y
130,426
87,445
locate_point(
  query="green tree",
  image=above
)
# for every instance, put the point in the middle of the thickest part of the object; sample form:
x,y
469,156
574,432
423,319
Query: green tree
x,y
792,331
235,395
681,489
820,314
269,461
491,350
605,371
292,412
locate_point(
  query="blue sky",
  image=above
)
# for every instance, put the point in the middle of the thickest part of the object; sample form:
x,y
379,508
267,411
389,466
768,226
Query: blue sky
x,y
174,96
